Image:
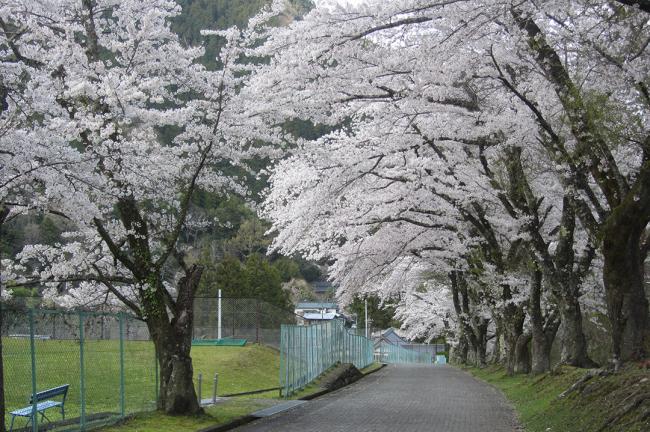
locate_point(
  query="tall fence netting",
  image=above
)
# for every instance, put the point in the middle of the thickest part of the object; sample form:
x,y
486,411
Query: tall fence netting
x,y
308,351
241,318
389,353
106,360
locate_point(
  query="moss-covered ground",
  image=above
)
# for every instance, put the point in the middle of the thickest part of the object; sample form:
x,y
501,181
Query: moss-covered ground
x,y
609,402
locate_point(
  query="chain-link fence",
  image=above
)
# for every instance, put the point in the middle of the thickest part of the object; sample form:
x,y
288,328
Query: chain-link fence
x,y
389,353
432,349
241,318
98,368
308,351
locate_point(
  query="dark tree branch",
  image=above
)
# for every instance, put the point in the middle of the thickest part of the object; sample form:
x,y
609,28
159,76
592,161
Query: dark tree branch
x,y
115,249
590,144
108,284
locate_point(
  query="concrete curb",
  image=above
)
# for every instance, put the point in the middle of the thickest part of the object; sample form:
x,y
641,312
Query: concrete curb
x,y
251,392
249,418
230,425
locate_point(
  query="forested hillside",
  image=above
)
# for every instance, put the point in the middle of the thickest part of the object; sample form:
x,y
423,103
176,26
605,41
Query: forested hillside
x,y
200,15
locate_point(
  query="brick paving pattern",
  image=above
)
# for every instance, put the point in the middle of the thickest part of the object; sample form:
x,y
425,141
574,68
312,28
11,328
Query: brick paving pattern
x,y
401,398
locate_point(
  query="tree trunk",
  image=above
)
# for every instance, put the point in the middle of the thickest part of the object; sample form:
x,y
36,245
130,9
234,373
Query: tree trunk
x,y
629,202
510,347
627,303
460,351
461,307
480,327
496,356
573,343
173,342
542,331
522,354
541,355
513,333
496,353
176,392
512,327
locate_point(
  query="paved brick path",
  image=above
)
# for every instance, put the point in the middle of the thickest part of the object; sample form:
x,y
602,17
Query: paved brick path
x,y
401,398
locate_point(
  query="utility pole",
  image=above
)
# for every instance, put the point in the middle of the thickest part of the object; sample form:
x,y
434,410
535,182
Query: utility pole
x,y
365,305
219,316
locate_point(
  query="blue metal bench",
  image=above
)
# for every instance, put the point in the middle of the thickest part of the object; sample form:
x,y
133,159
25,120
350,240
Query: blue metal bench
x,y
42,404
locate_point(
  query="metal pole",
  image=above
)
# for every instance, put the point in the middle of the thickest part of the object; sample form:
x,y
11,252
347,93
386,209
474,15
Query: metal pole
x,y
283,359
82,389
289,361
122,398
219,316
214,390
200,380
257,322
32,348
365,306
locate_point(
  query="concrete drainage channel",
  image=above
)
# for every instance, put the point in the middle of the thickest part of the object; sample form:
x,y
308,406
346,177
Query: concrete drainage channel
x,y
279,408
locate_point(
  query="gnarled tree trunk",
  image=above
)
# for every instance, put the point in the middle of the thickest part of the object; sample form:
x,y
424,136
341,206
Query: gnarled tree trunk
x,y
573,346
480,326
173,342
522,354
628,199
513,326
543,329
496,353
459,353
623,274
473,328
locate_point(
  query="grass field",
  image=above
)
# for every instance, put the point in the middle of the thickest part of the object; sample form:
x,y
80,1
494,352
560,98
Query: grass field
x,y
220,414
58,362
612,403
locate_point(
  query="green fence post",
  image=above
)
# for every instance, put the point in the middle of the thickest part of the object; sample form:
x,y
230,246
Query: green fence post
x,y
155,367
282,365
303,355
312,353
290,360
122,396
82,388
319,347
32,347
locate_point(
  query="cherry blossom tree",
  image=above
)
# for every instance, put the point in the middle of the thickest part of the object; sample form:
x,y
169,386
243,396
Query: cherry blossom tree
x,y
34,154
118,79
437,106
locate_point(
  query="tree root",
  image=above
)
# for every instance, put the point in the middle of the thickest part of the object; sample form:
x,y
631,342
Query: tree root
x,y
582,382
626,409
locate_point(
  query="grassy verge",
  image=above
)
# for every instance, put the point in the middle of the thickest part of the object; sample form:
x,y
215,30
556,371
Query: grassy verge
x,y
220,414
240,369
612,403
373,367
